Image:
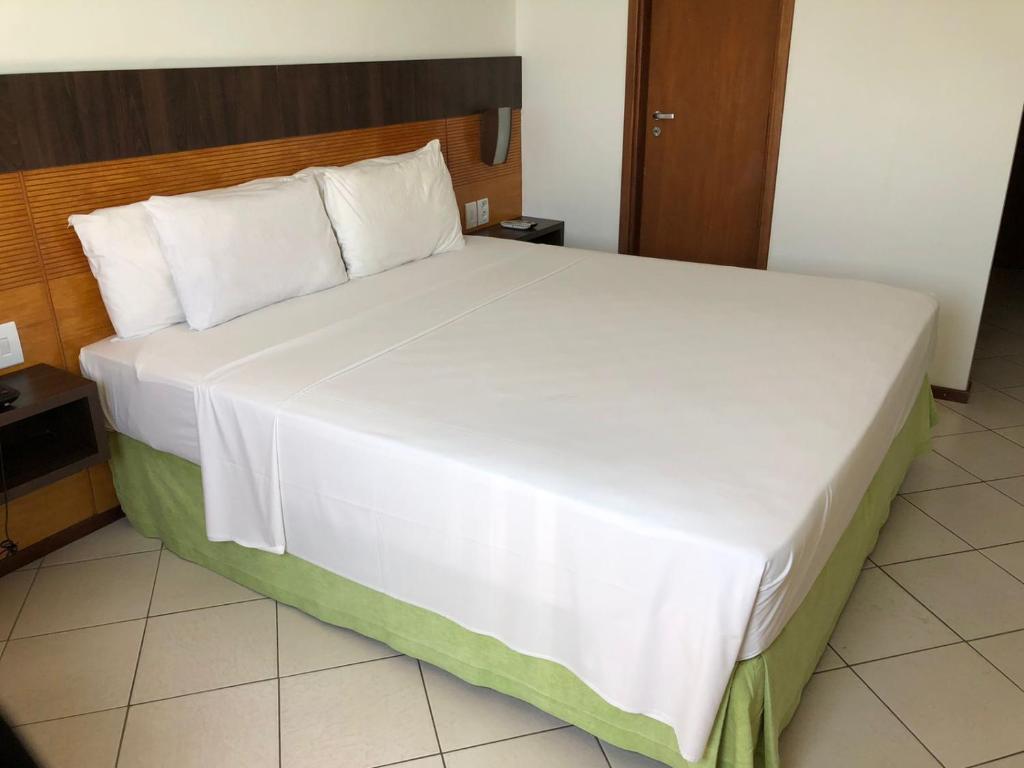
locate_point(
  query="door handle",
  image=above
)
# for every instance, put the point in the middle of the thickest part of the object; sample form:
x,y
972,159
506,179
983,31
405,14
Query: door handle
x,y
664,115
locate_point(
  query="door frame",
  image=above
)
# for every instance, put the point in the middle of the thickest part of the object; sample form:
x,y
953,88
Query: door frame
x,y
634,125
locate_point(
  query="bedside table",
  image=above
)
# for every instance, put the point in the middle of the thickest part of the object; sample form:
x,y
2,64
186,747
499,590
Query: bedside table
x,y
54,429
547,231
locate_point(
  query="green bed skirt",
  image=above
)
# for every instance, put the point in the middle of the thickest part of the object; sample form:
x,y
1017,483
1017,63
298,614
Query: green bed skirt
x,y
162,496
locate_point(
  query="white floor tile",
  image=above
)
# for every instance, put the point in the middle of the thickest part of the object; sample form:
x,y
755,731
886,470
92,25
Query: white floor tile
x,y
933,471
232,727
962,708
355,717
352,702
1010,557
990,408
466,715
829,660
1006,314
85,741
881,619
967,591
842,724
88,593
1016,434
306,644
118,538
1006,652
69,673
979,514
207,648
1012,487
994,341
564,748
998,372
910,534
13,589
953,423
1014,761
987,455
621,758
182,586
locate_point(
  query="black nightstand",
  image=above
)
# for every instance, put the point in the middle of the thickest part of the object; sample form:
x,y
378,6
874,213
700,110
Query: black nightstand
x,y
547,231
54,429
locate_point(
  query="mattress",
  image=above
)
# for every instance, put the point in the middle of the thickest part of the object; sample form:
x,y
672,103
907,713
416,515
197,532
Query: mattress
x,y
634,468
149,383
162,495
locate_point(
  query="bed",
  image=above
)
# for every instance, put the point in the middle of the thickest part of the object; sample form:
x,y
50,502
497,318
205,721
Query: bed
x,y
634,493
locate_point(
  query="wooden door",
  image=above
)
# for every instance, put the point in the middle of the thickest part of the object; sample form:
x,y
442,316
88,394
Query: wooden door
x,y
711,64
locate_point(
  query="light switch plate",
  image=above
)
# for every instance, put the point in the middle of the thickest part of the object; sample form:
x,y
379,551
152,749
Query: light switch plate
x,y
10,346
483,211
471,219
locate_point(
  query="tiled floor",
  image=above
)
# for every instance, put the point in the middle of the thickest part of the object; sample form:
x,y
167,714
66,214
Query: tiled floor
x,y
116,652
926,666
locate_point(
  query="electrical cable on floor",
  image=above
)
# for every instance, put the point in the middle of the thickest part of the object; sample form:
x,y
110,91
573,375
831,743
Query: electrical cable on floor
x,y
7,545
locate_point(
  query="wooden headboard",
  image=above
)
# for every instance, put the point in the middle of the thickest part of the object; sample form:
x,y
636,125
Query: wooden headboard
x,y
81,141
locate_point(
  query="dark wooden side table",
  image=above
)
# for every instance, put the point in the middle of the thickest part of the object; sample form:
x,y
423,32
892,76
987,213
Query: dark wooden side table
x,y
547,231
53,430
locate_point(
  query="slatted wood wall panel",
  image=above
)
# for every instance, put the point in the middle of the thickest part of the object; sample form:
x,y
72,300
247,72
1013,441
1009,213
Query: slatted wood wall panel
x,y
24,297
19,265
55,193
46,286
472,179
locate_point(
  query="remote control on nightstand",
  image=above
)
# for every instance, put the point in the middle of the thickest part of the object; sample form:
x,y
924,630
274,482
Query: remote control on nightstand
x,y
518,224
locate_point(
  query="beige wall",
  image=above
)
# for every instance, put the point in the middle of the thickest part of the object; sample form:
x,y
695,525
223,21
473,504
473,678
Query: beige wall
x,y
899,127
574,75
897,139
56,35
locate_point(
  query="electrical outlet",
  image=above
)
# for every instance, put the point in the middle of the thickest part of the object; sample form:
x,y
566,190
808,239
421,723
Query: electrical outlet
x,y
483,211
471,217
10,346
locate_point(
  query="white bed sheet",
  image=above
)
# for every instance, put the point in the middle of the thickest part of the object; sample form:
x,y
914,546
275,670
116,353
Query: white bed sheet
x,y
635,468
149,383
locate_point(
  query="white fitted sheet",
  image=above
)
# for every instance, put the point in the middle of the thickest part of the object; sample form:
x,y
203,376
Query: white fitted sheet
x,y
635,468
148,383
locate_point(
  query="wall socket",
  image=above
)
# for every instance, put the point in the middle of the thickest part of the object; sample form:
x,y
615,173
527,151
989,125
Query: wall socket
x,y
478,213
10,346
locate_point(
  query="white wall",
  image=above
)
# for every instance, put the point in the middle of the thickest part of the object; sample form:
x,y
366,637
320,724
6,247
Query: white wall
x,y
897,137
574,75
56,35
898,134
896,142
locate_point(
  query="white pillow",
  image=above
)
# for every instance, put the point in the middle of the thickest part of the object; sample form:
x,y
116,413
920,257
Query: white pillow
x,y
391,210
234,250
124,256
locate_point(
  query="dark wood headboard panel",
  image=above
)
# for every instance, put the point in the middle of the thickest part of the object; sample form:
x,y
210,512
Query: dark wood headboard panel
x,y
63,118
74,142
